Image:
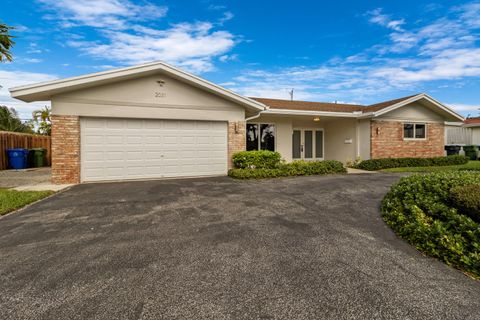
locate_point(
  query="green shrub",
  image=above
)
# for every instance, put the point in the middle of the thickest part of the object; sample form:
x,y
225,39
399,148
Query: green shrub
x,y
386,163
296,168
256,159
471,152
420,210
467,200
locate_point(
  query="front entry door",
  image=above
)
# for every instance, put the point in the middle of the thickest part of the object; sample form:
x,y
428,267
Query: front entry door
x,y
307,144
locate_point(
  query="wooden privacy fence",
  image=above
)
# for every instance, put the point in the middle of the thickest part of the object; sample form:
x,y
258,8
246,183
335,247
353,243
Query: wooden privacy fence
x,y
9,140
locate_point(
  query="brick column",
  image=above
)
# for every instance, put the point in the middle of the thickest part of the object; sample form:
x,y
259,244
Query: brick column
x,y
236,139
65,149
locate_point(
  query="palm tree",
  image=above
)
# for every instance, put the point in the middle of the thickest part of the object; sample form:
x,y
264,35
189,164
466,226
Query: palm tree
x,y
42,118
9,121
6,42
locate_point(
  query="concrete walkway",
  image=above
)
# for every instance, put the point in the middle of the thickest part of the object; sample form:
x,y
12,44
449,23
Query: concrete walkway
x,y
32,179
359,171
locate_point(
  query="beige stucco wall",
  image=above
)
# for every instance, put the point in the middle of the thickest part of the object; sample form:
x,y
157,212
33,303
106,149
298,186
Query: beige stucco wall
x,y
283,131
336,131
145,98
364,139
413,112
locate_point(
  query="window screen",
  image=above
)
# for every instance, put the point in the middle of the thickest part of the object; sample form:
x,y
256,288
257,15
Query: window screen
x,y
420,131
408,130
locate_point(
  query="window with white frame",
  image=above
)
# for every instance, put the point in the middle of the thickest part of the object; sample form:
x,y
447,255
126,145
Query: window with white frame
x,y
414,130
260,136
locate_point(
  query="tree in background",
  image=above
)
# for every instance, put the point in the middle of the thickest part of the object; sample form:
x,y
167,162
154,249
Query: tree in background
x,y
6,42
9,121
42,121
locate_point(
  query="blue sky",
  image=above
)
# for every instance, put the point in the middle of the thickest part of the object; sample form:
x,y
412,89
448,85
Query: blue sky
x,y
349,51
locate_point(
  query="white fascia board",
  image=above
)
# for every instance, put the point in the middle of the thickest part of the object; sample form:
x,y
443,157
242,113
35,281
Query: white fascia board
x,y
416,98
311,113
471,125
453,124
366,115
45,87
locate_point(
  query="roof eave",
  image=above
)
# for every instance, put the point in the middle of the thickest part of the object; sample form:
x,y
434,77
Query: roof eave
x,y
44,90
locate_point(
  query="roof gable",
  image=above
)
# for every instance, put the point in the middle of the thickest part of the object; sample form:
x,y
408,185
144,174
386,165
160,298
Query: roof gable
x,y
448,113
45,90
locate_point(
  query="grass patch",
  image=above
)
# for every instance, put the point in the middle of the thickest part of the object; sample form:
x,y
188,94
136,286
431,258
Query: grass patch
x,y
428,210
471,165
11,199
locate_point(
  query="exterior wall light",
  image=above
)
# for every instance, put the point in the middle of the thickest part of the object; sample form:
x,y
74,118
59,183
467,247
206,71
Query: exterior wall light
x,y
316,119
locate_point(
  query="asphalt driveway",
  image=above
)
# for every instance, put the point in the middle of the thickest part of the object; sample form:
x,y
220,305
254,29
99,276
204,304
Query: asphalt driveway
x,y
295,248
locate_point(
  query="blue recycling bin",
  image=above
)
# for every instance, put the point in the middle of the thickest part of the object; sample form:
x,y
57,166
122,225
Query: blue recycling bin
x,y
17,158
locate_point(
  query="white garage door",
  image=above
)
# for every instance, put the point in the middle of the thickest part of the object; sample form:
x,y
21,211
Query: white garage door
x,y
116,149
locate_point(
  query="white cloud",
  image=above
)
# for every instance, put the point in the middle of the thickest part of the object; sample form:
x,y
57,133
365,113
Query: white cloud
x,y
111,14
226,17
33,60
378,17
189,45
443,51
9,79
465,108
227,57
125,40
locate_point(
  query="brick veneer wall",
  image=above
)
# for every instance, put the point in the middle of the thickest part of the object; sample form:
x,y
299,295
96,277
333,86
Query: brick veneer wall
x,y
65,149
389,143
236,139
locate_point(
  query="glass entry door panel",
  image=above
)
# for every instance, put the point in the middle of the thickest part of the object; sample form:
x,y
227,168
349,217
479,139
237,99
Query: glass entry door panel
x,y
319,144
297,144
307,144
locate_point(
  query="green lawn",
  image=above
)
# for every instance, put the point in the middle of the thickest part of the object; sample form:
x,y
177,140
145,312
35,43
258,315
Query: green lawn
x,y
11,200
471,165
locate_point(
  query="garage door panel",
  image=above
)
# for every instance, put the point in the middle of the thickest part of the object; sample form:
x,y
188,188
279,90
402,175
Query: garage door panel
x,y
115,149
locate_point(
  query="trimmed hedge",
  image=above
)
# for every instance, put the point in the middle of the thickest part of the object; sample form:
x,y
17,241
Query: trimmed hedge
x,y
256,159
467,200
296,168
420,209
386,163
471,152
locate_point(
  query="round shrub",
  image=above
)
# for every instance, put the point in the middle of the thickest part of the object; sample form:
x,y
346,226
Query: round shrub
x,y
256,159
420,210
471,152
467,200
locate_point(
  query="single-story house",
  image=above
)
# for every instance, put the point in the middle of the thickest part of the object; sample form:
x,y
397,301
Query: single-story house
x,y
154,120
463,133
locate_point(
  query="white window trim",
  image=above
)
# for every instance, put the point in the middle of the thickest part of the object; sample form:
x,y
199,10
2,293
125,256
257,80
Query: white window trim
x,y
414,131
259,138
